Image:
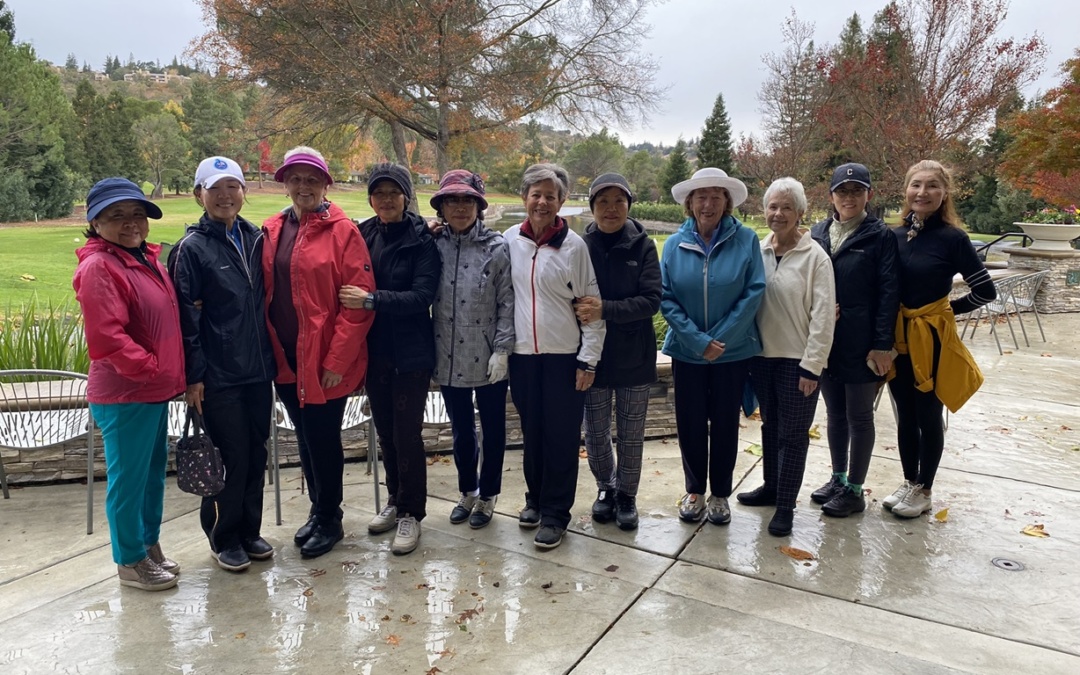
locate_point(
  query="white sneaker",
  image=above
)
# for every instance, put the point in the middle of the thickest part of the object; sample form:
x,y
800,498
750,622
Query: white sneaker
x,y
914,505
385,521
407,537
898,496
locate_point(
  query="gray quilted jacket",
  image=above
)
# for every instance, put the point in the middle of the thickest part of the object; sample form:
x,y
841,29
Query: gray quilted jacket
x,y
474,305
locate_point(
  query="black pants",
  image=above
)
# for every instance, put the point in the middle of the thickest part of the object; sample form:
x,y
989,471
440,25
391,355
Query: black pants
x,y
238,421
708,398
397,406
551,412
491,404
920,432
850,409
318,436
786,416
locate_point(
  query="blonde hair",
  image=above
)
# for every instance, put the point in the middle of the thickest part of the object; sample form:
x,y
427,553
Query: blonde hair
x,y
947,210
689,212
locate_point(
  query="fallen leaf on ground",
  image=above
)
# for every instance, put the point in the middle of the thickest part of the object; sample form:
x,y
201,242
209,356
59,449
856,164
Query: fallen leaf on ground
x,y
546,585
433,460
754,416
317,573
28,277
445,460
308,592
754,449
496,584
942,516
1065,428
611,568
1035,514
393,640
434,669
1075,448
797,553
466,615
583,454
1046,354
814,432
425,586
1035,531
241,636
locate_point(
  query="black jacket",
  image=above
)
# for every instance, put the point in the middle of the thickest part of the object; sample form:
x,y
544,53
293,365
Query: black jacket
x,y
407,266
226,342
629,278
868,292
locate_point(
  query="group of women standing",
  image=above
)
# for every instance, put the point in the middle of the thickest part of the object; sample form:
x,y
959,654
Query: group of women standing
x,y
322,306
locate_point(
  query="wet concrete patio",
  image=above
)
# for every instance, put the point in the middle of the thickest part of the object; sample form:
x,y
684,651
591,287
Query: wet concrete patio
x,y
881,595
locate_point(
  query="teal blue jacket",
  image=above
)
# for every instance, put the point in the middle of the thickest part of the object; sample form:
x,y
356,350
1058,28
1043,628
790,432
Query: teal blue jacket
x,y
714,297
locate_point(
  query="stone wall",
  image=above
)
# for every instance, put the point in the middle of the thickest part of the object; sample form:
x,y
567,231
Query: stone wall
x,y
68,461
1060,290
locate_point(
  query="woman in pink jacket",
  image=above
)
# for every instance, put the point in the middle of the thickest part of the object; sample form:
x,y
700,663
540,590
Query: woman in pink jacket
x,y
132,330
311,250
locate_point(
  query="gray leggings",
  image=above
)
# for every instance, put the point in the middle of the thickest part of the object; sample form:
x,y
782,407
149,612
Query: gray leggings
x,y
850,409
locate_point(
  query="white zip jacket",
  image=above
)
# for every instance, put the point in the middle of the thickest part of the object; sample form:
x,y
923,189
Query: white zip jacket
x,y
798,314
546,281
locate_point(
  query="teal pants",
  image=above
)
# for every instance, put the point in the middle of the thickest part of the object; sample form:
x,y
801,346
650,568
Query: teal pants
x,y
136,450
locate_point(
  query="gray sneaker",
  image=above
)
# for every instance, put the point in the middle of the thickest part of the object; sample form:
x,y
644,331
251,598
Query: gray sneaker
x,y
691,507
482,512
155,554
464,507
385,521
718,511
897,496
407,536
146,575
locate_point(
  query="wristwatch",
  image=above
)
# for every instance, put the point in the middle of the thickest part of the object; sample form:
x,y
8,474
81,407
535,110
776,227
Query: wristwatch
x,y
369,302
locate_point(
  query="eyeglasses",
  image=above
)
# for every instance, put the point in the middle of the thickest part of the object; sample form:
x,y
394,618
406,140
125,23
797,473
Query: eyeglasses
x,y
849,191
458,201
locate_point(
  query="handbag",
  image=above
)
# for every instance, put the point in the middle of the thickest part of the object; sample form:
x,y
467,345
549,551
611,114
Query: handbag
x,y
199,469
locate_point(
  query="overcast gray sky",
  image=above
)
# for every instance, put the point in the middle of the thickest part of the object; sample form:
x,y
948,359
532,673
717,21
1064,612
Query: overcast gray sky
x,y
704,46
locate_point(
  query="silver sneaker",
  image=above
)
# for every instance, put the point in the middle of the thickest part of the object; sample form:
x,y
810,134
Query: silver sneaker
x,y
898,496
718,511
407,537
146,575
691,507
463,508
385,521
155,554
482,512
914,505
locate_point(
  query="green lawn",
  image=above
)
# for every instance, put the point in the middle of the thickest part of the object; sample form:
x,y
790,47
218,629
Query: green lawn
x,y
41,260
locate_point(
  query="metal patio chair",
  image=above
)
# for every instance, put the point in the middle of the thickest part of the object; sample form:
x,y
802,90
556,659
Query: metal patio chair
x,y
1023,298
43,408
999,306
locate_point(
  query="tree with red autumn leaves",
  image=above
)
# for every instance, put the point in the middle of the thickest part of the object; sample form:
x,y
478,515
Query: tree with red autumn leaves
x,y
1044,156
442,68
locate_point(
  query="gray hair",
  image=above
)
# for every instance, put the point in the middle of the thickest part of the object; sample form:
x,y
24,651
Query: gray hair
x,y
303,150
786,186
538,173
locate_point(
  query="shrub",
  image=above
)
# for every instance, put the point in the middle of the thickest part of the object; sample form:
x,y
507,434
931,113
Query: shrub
x,y
660,326
50,340
667,213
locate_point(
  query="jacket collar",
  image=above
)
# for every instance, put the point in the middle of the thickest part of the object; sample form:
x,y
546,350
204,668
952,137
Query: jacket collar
x,y
632,232
553,236
99,245
806,240
478,232
216,228
727,227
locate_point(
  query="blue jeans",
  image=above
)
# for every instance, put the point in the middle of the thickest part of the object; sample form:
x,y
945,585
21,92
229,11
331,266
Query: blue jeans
x,y
136,451
491,404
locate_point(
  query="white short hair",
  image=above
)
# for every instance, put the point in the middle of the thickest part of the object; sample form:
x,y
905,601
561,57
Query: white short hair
x,y
786,186
303,150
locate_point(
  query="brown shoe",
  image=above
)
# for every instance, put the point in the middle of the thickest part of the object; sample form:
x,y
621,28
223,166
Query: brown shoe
x,y
147,575
155,554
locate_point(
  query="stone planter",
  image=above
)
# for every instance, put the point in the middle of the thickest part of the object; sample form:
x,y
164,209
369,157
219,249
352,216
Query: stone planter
x,y
1050,236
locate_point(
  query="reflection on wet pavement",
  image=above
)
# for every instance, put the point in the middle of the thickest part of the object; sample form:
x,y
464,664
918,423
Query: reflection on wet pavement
x,y
887,594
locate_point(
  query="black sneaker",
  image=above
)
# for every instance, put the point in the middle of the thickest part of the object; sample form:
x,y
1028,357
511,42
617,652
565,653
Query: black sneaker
x,y
233,559
625,511
780,525
530,515
463,509
549,536
844,503
603,509
762,496
827,491
258,548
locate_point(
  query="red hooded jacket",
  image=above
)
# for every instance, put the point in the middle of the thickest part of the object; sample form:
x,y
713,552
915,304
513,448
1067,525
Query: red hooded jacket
x,y
132,325
329,253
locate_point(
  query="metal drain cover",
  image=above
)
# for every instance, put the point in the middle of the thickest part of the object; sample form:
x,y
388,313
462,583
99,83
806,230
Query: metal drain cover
x,y
1008,565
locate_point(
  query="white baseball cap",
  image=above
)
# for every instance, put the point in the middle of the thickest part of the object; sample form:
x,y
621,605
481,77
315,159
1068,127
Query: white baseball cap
x,y
213,169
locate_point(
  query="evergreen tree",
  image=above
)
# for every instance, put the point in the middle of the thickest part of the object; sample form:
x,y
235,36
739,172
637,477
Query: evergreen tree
x,y
852,39
676,170
715,148
213,117
7,22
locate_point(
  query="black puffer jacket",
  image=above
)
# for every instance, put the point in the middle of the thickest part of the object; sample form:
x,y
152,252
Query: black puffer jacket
x,y
226,342
868,292
629,278
407,265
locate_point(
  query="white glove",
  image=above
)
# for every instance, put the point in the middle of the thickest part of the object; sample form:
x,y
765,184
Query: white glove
x,y
497,368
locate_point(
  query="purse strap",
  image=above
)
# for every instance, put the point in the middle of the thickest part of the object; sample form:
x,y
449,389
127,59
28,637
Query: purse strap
x,y
193,416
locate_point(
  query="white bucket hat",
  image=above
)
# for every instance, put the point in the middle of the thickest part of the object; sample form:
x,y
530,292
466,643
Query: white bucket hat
x,y
710,177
